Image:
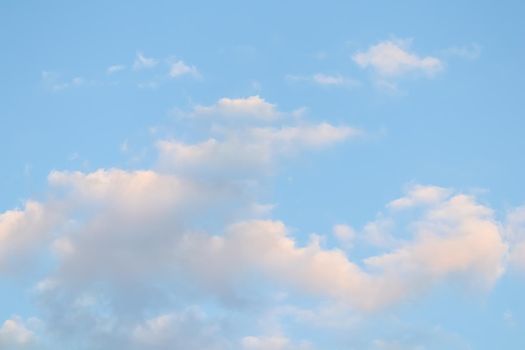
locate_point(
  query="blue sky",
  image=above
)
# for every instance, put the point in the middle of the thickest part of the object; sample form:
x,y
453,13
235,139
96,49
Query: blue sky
x,y
264,175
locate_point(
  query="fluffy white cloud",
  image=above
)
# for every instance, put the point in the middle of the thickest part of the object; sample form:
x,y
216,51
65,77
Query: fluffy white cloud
x,y
134,193
345,234
139,223
132,245
190,329
392,58
178,68
237,148
141,228
242,152
456,237
22,231
15,335
418,195
252,107
125,224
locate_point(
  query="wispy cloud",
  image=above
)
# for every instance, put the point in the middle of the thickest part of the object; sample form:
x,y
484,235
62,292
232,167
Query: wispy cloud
x,y
468,52
115,68
143,62
323,79
54,82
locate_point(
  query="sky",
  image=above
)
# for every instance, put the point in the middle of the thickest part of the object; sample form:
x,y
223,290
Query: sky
x,y
262,175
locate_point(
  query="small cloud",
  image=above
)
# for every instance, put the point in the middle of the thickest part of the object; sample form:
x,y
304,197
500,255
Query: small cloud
x,y
178,68
143,62
252,107
323,79
115,68
392,58
467,52
420,195
54,82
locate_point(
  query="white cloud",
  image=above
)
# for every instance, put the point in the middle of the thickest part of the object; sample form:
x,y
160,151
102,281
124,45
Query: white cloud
x,y
15,335
130,220
54,82
22,231
345,234
143,62
318,135
418,195
392,58
324,79
140,222
142,227
115,68
456,237
252,107
126,241
178,68
238,148
252,149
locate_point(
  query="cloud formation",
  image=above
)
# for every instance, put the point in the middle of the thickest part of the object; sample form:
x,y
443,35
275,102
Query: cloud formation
x,y
115,68
252,107
392,58
178,68
143,62
132,249
233,154
23,231
15,335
